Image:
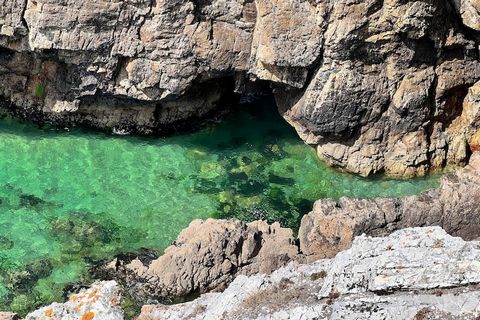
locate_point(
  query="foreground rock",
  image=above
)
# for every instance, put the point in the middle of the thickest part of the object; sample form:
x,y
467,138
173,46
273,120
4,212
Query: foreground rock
x,y
8,316
415,273
373,85
332,225
206,256
418,273
100,302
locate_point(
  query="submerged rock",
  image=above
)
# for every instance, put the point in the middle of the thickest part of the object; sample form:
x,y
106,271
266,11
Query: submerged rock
x,y
414,273
210,254
332,225
426,273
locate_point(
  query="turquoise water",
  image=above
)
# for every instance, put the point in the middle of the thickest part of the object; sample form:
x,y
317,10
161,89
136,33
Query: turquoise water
x,y
71,198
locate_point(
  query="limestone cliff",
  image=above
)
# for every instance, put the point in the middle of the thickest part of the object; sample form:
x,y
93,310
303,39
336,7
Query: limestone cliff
x,y
374,85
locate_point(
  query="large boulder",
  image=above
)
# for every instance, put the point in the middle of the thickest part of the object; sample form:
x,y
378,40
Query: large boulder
x,y
99,302
206,256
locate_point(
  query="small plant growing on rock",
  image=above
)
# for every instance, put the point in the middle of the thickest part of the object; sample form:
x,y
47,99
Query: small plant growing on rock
x,y
318,275
39,90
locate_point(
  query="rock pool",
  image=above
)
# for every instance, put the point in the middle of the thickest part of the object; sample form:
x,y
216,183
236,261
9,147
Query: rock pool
x,y
71,198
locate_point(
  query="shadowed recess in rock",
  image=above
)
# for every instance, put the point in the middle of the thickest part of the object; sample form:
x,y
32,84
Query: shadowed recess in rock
x,y
70,198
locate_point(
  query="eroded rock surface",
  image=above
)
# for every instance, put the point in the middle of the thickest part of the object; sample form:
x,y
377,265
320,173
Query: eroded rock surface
x,y
373,85
206,256
417,273
332,225
100,301
8,316
414,273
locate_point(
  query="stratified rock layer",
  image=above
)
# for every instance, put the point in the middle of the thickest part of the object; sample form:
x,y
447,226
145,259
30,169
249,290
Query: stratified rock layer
x,y
332,225
374,85
418,273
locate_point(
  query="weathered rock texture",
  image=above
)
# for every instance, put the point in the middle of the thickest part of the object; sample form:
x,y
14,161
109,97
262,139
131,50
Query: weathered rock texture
x,y
100,302
375,85
210,254
419,273
8,316
415,273
206,256
392,88
331,226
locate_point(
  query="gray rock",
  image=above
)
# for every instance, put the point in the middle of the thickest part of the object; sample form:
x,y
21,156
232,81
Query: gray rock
x,y
417,273
388,87
206,256
8,316
100,301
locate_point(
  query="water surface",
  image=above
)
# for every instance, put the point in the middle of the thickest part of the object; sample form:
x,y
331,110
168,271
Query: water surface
x,y
71,198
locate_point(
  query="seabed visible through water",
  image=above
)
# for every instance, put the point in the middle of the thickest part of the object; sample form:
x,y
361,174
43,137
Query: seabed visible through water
x,y
71,198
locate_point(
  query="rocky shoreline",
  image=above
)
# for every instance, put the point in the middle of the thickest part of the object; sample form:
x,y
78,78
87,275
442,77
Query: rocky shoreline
x,y
209,254
414,273
225,255
374,86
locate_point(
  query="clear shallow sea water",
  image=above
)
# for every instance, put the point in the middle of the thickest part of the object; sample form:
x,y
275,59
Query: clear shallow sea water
x,y
71,198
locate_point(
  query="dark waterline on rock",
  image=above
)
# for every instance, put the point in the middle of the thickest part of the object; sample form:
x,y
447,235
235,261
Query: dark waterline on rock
x,y
68,199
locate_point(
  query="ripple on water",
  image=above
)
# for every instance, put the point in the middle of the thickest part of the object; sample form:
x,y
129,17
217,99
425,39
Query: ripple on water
x,y
71,198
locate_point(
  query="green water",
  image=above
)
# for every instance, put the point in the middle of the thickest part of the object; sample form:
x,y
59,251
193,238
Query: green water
x,y
71,198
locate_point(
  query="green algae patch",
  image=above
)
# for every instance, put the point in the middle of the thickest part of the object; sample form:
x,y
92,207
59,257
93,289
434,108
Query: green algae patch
x,y
39,91
71,198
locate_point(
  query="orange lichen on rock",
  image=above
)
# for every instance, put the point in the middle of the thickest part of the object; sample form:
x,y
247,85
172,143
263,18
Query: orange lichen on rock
x,y
475,142
79,306
147,308
49,313
89,315
74,298
93,293
113,301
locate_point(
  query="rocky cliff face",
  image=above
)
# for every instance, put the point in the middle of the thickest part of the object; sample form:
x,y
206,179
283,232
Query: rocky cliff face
x,y
373,85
